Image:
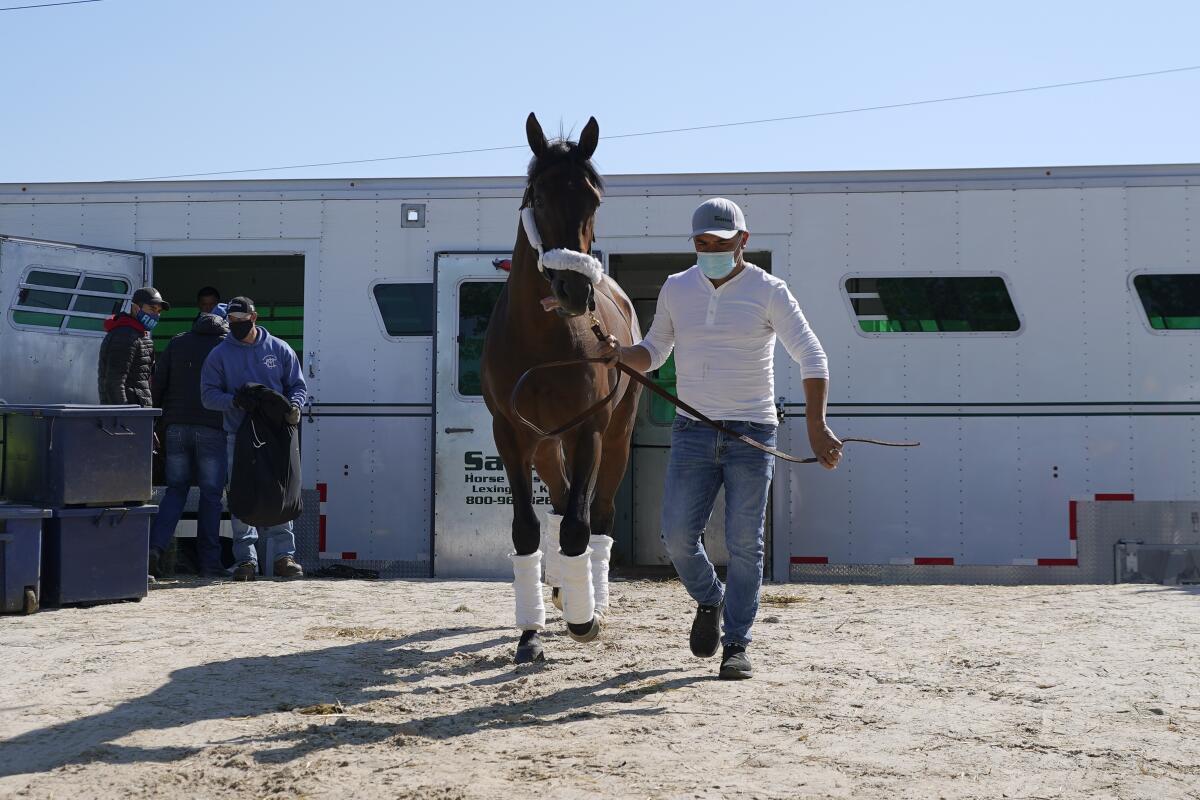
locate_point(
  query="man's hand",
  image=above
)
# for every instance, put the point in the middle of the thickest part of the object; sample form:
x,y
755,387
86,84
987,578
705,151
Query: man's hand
x,y
293,416
610,351
825,446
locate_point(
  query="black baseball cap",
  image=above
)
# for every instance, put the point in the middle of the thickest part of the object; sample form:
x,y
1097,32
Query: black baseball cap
x,y
240,305
148,295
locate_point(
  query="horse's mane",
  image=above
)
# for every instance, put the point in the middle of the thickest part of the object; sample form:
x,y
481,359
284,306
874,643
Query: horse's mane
x,y
560,151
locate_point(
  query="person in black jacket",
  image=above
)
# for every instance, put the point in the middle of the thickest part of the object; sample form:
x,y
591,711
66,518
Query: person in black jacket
x,y
207,300
127,354
195,443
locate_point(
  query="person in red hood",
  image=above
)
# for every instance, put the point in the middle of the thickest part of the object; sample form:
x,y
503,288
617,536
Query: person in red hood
x,y
127,354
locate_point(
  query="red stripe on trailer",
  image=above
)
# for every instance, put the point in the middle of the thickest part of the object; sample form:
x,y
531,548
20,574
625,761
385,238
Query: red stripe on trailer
x,y
936,562
1074,519
1058,562
1115,498
810,559
349,556
321,534
323,491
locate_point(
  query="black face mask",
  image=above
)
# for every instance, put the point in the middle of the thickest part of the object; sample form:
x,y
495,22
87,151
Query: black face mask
x,y
241,330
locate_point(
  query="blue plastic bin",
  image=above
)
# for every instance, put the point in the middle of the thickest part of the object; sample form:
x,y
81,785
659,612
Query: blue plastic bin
x,y
20,558
69,455
93,555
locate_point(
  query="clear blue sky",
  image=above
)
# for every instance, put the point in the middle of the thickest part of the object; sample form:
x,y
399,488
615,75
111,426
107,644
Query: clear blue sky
x,y
135,88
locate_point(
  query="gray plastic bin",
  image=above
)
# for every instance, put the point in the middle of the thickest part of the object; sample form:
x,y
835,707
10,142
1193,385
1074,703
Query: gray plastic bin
x,y
76,455
92,555
20,558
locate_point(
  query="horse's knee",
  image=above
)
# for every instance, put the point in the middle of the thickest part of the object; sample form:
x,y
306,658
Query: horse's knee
x,y
526,535
602,519
573,536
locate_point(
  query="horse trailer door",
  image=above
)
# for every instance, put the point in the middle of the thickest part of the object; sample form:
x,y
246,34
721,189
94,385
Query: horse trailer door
x,y
472,501
56,297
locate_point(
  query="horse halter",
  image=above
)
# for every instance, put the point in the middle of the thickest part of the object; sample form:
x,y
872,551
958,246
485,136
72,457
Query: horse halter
x,y
559,258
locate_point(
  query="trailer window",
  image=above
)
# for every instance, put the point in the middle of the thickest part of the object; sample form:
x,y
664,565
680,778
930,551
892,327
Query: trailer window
x,y
405,308
939,304
68,301
1171,302
476,299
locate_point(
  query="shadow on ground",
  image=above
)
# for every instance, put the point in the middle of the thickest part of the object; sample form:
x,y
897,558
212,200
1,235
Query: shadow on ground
x,y
354,674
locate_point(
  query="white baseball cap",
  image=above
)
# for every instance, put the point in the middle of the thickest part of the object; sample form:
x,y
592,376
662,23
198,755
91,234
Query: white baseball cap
x,y
719,217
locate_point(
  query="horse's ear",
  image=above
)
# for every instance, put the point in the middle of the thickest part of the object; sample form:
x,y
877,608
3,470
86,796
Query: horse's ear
x,y
533,132
589,138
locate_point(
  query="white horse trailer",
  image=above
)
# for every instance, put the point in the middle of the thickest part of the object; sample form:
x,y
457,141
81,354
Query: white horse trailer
x,y
1036,329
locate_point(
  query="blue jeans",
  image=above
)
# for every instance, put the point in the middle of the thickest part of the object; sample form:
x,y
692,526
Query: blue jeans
x,y
244,536
193,456
702,460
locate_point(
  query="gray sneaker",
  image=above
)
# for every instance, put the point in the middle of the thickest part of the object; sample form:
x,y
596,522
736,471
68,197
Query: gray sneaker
x,y
735,664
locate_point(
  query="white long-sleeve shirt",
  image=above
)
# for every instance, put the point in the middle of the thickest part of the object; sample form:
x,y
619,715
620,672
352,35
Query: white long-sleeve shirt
x,y
724,341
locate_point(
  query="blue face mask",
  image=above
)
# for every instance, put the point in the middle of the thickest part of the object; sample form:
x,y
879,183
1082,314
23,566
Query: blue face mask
x,y
147,319
717,265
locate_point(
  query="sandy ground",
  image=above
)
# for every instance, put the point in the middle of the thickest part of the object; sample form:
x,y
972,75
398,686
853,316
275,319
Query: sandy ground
x,y
202,690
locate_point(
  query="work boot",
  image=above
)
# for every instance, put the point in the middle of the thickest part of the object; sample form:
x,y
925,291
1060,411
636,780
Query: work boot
x,y
735,664
706,630
286,567
152,564
246,571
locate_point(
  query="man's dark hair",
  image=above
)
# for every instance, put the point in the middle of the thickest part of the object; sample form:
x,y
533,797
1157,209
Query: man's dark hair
x,y
208,291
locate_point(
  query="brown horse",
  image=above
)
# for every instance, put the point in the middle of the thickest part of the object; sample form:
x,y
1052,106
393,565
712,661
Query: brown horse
x,y
582,467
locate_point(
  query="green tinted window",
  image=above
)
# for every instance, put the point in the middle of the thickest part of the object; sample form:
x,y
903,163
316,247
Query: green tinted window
x,y
406,308
97,305
59,295
40,298
59,279
85,324
112,285
974,304
37,318
1171,302
476,299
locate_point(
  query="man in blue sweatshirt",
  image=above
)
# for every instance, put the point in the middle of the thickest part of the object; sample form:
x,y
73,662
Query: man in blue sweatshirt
x,y
249,354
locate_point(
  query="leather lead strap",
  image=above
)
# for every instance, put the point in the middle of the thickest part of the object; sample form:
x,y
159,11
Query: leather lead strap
x,y
658,390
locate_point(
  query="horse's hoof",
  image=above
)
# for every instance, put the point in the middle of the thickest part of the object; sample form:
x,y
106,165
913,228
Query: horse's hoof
x,y
556,597
585,632
529,650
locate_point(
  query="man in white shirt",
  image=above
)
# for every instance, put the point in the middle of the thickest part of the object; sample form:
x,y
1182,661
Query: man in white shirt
x,y
722,318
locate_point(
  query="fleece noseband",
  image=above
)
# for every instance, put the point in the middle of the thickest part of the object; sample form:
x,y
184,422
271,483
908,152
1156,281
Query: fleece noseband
x,y
559,258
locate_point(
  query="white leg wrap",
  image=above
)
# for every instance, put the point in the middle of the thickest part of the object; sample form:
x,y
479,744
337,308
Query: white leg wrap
x,y
550,546
601,551
527,590
579,603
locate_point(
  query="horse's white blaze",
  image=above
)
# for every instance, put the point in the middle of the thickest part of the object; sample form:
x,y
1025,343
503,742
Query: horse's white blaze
x,y
527,591
579,602
560,258
601,547
550,546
